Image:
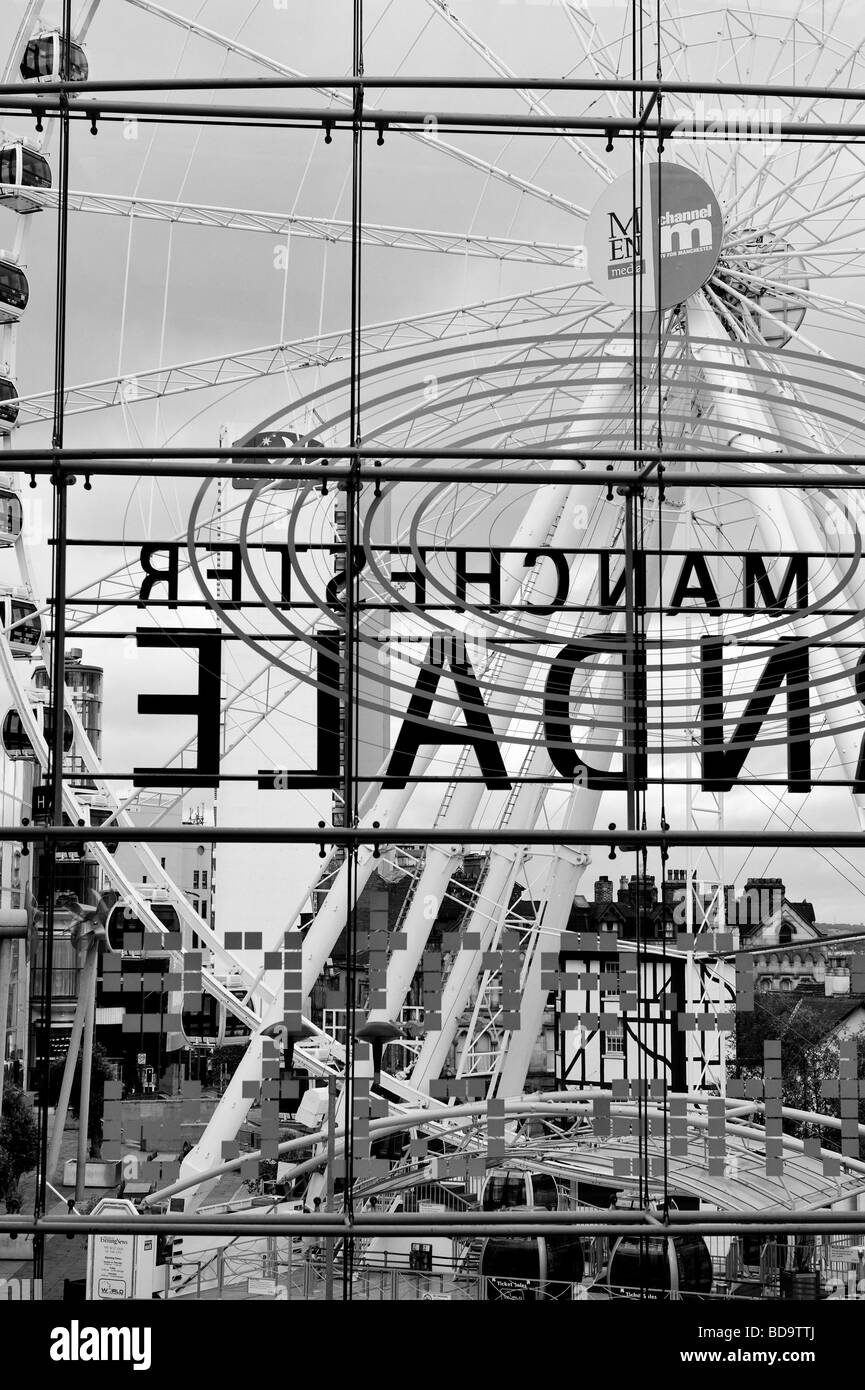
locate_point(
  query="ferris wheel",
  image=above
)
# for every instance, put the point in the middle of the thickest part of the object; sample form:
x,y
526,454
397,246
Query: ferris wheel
x,y
484,327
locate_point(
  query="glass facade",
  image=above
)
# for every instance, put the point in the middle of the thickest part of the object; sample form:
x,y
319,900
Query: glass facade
x,y
569,574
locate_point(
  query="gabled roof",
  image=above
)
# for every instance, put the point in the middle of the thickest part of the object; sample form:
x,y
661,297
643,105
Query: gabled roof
x,y
805,910
788,913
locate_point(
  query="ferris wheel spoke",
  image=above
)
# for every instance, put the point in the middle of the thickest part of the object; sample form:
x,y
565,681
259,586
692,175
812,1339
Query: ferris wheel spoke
x,y
784,192
845,308
790,224
534,102
277,359
755,313
804,174
810,425
333,231
811,258
677,55
430,432
443,146
574,12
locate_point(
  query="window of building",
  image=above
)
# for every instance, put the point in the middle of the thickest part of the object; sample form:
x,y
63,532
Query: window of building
x,y
204,878
614,1041
610,983
202,907
195,878
162,863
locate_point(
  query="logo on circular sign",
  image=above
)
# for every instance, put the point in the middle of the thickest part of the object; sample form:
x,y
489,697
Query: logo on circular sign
x,y
655,255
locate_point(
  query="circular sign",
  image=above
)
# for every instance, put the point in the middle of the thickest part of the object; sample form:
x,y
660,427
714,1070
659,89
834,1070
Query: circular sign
x,y
661,251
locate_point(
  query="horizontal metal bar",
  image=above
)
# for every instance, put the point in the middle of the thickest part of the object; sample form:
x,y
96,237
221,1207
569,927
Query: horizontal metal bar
x,y
385,118
48,456
345,83
532,1223
395,551
492,610
622,840
208,468
313,780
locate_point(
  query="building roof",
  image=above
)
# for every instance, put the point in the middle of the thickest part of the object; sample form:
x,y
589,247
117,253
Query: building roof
x,y
805,910
745,1185
798,916
817,1015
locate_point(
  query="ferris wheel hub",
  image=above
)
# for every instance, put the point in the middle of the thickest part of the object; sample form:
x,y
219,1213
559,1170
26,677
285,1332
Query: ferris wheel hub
x,y
760,281
654,237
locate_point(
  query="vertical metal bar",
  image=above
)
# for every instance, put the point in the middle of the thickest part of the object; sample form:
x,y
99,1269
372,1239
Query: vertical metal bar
x,y
629,673
330,1203
350,800
5,982
88,992
58,650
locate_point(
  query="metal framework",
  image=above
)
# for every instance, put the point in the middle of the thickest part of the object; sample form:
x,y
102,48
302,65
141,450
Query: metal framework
x,y
682,387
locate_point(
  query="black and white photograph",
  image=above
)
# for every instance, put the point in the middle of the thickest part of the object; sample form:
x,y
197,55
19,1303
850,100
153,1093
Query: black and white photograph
x,y
432,681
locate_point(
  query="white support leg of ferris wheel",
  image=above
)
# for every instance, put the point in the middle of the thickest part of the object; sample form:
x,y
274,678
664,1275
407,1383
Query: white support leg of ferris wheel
x,y
483,922
792,521
567,867
485,919
544,508
567,863
330,920
561,884
465,803
78,811
463,808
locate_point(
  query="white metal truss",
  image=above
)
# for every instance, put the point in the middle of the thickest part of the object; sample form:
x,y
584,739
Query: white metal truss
x,y
335,231
531,99
492,171
394,335
709,984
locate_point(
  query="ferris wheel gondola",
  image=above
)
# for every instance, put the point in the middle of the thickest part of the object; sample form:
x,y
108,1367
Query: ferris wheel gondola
x,y
11,512
16,742
530,1269
8,405
22,167
20,619
44,55
14,291
506,1188
659,1267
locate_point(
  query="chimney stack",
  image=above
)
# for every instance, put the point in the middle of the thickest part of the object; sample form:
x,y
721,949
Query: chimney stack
x,y
603,889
